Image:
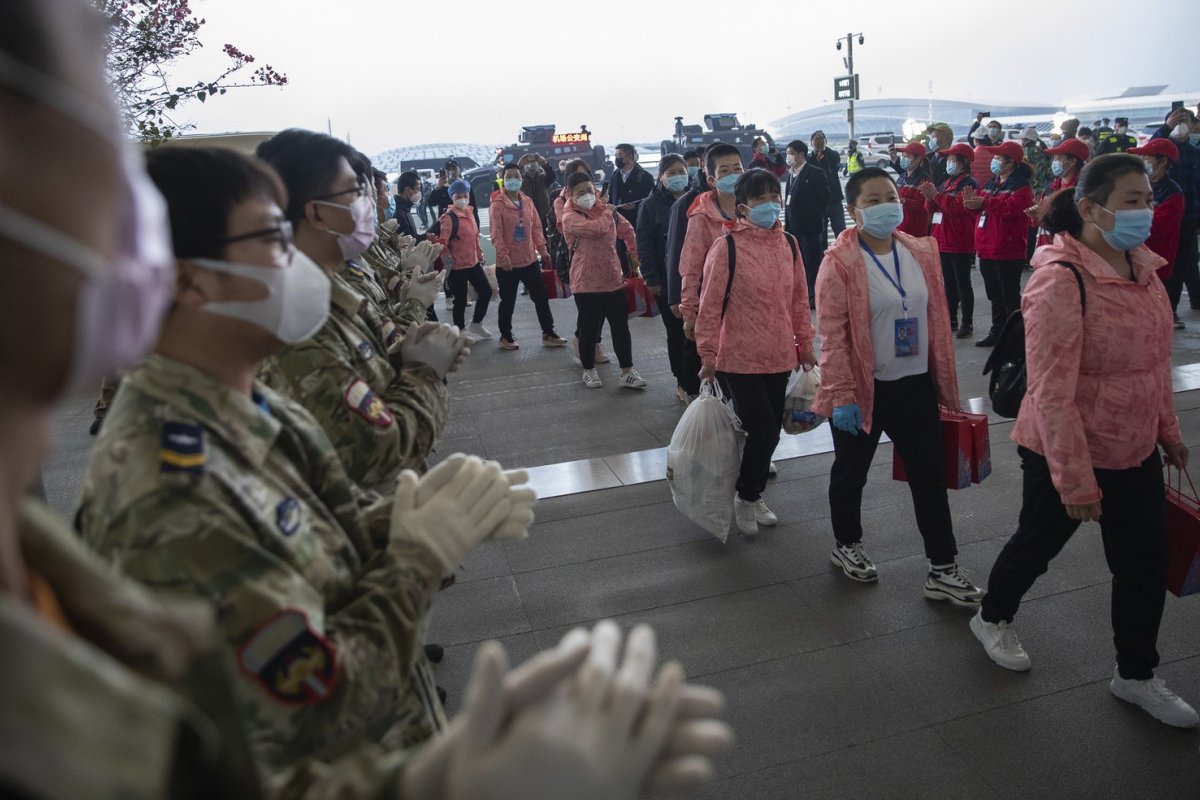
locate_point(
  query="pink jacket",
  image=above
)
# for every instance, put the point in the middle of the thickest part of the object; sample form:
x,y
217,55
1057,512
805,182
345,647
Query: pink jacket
x,y
503,217
767,318
595,266
1099,383
464,249
706,224
844,320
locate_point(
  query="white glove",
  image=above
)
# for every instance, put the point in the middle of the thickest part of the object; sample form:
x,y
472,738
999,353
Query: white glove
x,y
523,498
422,287
404,243
421,257
435,344
456,517
389,226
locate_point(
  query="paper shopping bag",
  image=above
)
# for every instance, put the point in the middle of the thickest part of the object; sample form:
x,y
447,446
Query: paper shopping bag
x,y
1183,536
555,288
639,302
959,438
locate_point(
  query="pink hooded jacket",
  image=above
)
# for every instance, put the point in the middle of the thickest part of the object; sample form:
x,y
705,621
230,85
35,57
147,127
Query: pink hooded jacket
x,y
706,224
503,218
767,318
595,266
844,320
1099,382
464,249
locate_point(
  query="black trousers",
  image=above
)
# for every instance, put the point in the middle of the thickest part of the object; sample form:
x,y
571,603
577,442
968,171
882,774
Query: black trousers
x,y
907,411
509,281
458,280
685,361
1185,271
1002,282
1133,529
594,308
812,253
758,400
837,220
956,274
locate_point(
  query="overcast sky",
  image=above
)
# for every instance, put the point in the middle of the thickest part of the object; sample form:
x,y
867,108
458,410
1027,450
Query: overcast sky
x,y
387,73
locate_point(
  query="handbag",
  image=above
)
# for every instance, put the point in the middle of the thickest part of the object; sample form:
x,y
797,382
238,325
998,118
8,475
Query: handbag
x,y
555,287
639,301
1183,536
967,447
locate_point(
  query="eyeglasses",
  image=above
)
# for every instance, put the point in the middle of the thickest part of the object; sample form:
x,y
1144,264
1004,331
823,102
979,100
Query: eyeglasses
x,y
358,192
280,234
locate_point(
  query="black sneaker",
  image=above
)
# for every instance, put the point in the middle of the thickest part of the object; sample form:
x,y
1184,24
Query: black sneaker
x,y
953,326
95,429
989,340
435,653
966,331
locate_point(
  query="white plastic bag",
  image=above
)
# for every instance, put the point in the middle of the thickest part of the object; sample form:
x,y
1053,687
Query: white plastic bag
x,y
703,461
798,416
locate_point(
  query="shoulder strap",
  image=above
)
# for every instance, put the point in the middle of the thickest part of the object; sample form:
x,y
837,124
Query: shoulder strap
x,y
453,226
732,265
1078,279
791,240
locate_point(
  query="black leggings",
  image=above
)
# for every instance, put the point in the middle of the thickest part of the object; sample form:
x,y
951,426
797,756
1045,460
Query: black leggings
x,y
458,281
1002,282
509,280
956,274
594,308
758,400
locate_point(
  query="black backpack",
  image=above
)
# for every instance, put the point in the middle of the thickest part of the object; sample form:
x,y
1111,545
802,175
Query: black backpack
x,y
1006,364
791,240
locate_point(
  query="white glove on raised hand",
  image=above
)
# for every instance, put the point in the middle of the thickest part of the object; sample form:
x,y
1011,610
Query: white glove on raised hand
x,y
458,515
516,525
437,345
404,243
422,287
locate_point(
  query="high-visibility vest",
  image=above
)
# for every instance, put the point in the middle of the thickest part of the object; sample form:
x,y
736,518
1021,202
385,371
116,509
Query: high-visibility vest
x,y
854,162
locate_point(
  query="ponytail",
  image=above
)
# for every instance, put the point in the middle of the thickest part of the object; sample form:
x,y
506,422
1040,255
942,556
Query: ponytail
x,y
1063,217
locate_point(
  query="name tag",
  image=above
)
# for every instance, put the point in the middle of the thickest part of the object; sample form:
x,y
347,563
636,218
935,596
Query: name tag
x,y
982,220
907,342
937,218
519,233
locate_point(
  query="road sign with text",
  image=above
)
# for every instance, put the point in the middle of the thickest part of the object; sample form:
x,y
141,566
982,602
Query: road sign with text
x,y
845,87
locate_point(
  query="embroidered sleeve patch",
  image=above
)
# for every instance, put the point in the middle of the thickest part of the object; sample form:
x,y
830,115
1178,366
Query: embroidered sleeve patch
x,y
292,662
365,350
363,401
391,332
182,448
287,516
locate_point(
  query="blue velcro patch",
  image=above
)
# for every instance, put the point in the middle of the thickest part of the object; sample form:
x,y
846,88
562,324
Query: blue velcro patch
x,y
182,448
287,516
364,349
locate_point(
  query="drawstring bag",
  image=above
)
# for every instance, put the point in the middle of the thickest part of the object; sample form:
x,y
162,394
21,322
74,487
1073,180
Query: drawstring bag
x,y
703,460
798,416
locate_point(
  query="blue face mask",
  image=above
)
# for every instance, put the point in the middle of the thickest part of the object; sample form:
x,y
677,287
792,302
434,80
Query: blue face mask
x,y
765,215
676,183
391,211
1132,228
1194,139
727,184
881,220
951,167
1057,168
693,172
995,167
512,184
905,162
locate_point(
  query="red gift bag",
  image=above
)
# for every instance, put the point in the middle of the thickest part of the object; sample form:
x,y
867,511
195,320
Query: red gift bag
x,y
1183,537
967,446
639,302
555,288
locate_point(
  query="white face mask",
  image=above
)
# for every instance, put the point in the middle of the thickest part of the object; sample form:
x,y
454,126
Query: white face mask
x,y
1180,134
791,161
585,201
461,203
355,243
297,301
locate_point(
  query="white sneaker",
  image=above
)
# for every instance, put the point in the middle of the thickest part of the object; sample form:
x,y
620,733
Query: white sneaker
x,y
1000,643
601,356
1155,699
632,380
855,562
476,331
745,516
952,584
764,515
591,379
772,470
449,303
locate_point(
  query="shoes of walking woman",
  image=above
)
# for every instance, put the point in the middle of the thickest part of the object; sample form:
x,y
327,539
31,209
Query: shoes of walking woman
x,y
1000,643
772,470
552,339
478,332
508,344
745,515
601,356
966,331
952,584
1155,699
632,380
989,340
591,379
855,562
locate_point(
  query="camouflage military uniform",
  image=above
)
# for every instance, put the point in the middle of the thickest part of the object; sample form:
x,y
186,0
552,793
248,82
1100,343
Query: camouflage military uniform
x,y
198,488
382,416
1039,162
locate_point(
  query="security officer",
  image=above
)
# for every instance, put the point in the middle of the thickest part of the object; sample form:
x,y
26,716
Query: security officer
x,y
854,159
1116,140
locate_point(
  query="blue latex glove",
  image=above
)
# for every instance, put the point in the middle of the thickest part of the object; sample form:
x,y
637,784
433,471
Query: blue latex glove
x,y
848,418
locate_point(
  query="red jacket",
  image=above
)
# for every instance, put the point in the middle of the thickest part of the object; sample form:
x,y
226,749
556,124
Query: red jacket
x,y
592,234
916,215
504,218
1044,236
1005,232
955,233
1164,231
706,222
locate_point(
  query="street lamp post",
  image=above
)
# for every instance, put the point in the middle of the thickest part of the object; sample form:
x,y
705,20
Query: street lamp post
x,y
849,39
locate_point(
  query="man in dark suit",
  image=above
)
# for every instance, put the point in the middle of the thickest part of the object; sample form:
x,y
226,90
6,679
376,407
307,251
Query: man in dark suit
x,y
629,185
807,192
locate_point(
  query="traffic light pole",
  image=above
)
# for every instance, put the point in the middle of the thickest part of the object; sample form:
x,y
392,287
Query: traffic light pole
x,y
850,64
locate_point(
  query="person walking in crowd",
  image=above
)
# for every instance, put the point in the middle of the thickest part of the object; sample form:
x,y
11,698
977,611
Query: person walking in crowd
x,y
592,228
828,160
630,184
537,176
409,195
694,160
753,330
1001,232
805,206
458,231
439,199
1182,128
577,166
912,168
767,156
423,210
516,233
954,231
887,363
706,221
1098,406
652,223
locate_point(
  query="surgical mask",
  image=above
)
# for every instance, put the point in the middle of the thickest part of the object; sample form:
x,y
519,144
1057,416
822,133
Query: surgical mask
x,y
791,161
1132,228
676,183
1194,139
951,166
996,166
391,207
297,301
693,172
905,162
727,184
994,133
620,162
1058,168
415,199
1149,167
765,215
881,220
356,242
512,184
461,203
121,300
585,201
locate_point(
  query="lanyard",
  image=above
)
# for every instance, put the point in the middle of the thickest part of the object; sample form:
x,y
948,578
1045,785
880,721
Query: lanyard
x,y
897,281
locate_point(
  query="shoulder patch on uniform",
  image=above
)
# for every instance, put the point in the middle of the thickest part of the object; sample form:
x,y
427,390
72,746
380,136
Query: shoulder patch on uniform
x,y
182,448
287,516
391,332
292,662
363,401
364,349
355,270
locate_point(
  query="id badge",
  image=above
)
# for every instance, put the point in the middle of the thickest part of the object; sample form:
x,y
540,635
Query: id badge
x,y
519,233
982,220
906,337
937,218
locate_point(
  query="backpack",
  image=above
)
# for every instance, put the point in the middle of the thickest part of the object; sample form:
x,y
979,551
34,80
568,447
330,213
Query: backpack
x,y
1006,364
791,240
436,228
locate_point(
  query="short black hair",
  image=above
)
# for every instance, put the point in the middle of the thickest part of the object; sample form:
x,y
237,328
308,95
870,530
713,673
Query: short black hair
x,y
577,179
718,150
628,148
855,184
307,162
798,146
755,183
666,162
409,179
201,186
690,154
513,165
450,163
